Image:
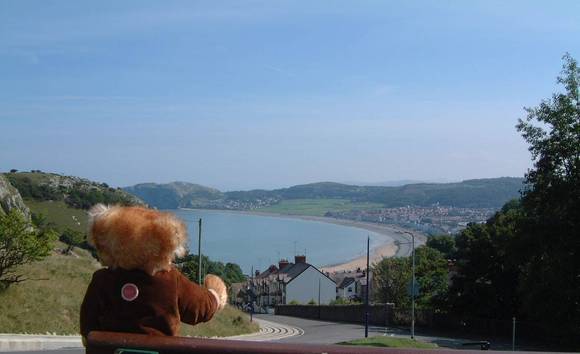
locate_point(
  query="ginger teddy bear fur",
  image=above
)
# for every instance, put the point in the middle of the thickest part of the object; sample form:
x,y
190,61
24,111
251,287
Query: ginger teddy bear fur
x,y
140,291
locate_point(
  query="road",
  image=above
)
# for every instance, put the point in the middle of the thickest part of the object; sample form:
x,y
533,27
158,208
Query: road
x,y
298,330
322,332
405,245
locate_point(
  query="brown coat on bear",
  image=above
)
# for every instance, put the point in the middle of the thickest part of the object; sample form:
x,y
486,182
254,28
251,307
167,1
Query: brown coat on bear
x,y
140,291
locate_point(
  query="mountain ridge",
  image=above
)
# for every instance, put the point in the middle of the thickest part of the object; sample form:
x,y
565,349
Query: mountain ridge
x,y
474,193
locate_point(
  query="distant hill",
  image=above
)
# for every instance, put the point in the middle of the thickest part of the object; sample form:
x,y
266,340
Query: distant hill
x,y
476,193
175,194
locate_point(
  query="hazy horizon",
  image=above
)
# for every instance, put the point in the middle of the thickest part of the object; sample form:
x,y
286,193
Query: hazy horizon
x,y
264,94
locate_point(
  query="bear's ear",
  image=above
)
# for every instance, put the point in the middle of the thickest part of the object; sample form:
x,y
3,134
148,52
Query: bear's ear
x,y
97,211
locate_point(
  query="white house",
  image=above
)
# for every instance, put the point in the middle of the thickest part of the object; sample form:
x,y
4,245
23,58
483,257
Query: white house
x,y
293,282
347,289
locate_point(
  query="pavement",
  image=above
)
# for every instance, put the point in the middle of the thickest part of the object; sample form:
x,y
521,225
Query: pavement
x,y
28,342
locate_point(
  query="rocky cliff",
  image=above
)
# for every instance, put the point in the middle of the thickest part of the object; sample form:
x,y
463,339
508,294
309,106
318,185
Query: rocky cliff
x,y
10,198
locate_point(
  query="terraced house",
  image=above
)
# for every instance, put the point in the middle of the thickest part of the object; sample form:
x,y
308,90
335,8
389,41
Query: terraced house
x,y
298,282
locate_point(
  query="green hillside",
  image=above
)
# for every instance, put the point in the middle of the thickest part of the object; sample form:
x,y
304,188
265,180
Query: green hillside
x,y
75,192
174,195
477,193
49,301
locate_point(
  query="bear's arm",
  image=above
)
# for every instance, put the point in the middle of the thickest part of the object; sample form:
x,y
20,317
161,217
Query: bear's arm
x,y
196,303
90,308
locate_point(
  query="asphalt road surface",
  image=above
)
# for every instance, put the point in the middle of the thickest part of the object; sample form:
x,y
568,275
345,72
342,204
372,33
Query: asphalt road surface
x,y
322,332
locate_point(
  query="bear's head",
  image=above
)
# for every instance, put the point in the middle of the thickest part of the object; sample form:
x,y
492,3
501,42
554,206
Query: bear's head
x,y
136,238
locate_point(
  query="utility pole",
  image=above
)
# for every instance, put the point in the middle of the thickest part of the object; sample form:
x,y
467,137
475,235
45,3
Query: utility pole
x,y
413,291
514,334
367,291
318,291
199,255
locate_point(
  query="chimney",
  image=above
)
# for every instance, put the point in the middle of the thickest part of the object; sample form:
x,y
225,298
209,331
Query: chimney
x,y
282,264
299,259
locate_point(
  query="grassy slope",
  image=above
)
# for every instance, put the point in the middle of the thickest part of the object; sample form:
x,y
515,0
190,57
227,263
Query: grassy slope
x,y
229,322
317,207
50,301
60,214
390,342
52,304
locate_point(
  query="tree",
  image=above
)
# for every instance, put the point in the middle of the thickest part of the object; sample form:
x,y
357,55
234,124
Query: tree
x,y
230,273
391,277
432,276
20,243
486,283
72,238
444,244
551,200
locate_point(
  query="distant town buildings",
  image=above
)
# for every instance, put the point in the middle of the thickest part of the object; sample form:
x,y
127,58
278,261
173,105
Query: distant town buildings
x,y
430,220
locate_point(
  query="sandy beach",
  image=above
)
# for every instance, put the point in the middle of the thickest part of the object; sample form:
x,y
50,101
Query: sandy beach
x,y
387,248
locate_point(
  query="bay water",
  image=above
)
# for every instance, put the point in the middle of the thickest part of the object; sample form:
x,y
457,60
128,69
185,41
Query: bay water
x,y
257,241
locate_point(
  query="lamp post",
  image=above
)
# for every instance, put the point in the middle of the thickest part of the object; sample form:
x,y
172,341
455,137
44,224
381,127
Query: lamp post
x,y
412,285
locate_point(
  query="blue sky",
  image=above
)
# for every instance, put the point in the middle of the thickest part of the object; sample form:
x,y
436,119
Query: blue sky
x,y
240,95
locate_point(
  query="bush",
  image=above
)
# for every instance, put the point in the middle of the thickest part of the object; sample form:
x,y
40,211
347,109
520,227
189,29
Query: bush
x,y
20,243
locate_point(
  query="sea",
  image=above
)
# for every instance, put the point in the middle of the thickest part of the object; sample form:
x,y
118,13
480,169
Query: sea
x,y
255,242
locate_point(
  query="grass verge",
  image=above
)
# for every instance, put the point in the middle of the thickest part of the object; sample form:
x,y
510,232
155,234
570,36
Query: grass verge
x,y
390,342
228,322
49,302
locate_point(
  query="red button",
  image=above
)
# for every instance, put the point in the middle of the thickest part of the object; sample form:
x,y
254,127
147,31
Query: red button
x,y
129,292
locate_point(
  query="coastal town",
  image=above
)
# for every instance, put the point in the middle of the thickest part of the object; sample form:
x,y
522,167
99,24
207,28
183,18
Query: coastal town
x,y
431,220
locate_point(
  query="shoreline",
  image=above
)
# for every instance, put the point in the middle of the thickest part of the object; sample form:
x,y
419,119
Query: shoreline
x,y
387,247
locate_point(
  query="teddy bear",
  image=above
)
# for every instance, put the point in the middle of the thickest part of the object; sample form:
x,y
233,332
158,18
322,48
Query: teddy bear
x,y
140,290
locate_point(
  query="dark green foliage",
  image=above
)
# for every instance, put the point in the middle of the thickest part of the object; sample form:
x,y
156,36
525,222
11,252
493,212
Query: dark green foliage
x,y
230,272
343,301
551,273
444,244
525,261
83,198
488,273
72,238
20,243
432,276
30,190
392,277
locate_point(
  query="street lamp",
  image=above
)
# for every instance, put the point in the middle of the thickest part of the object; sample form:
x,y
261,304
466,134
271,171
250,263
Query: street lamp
x,y
412,286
